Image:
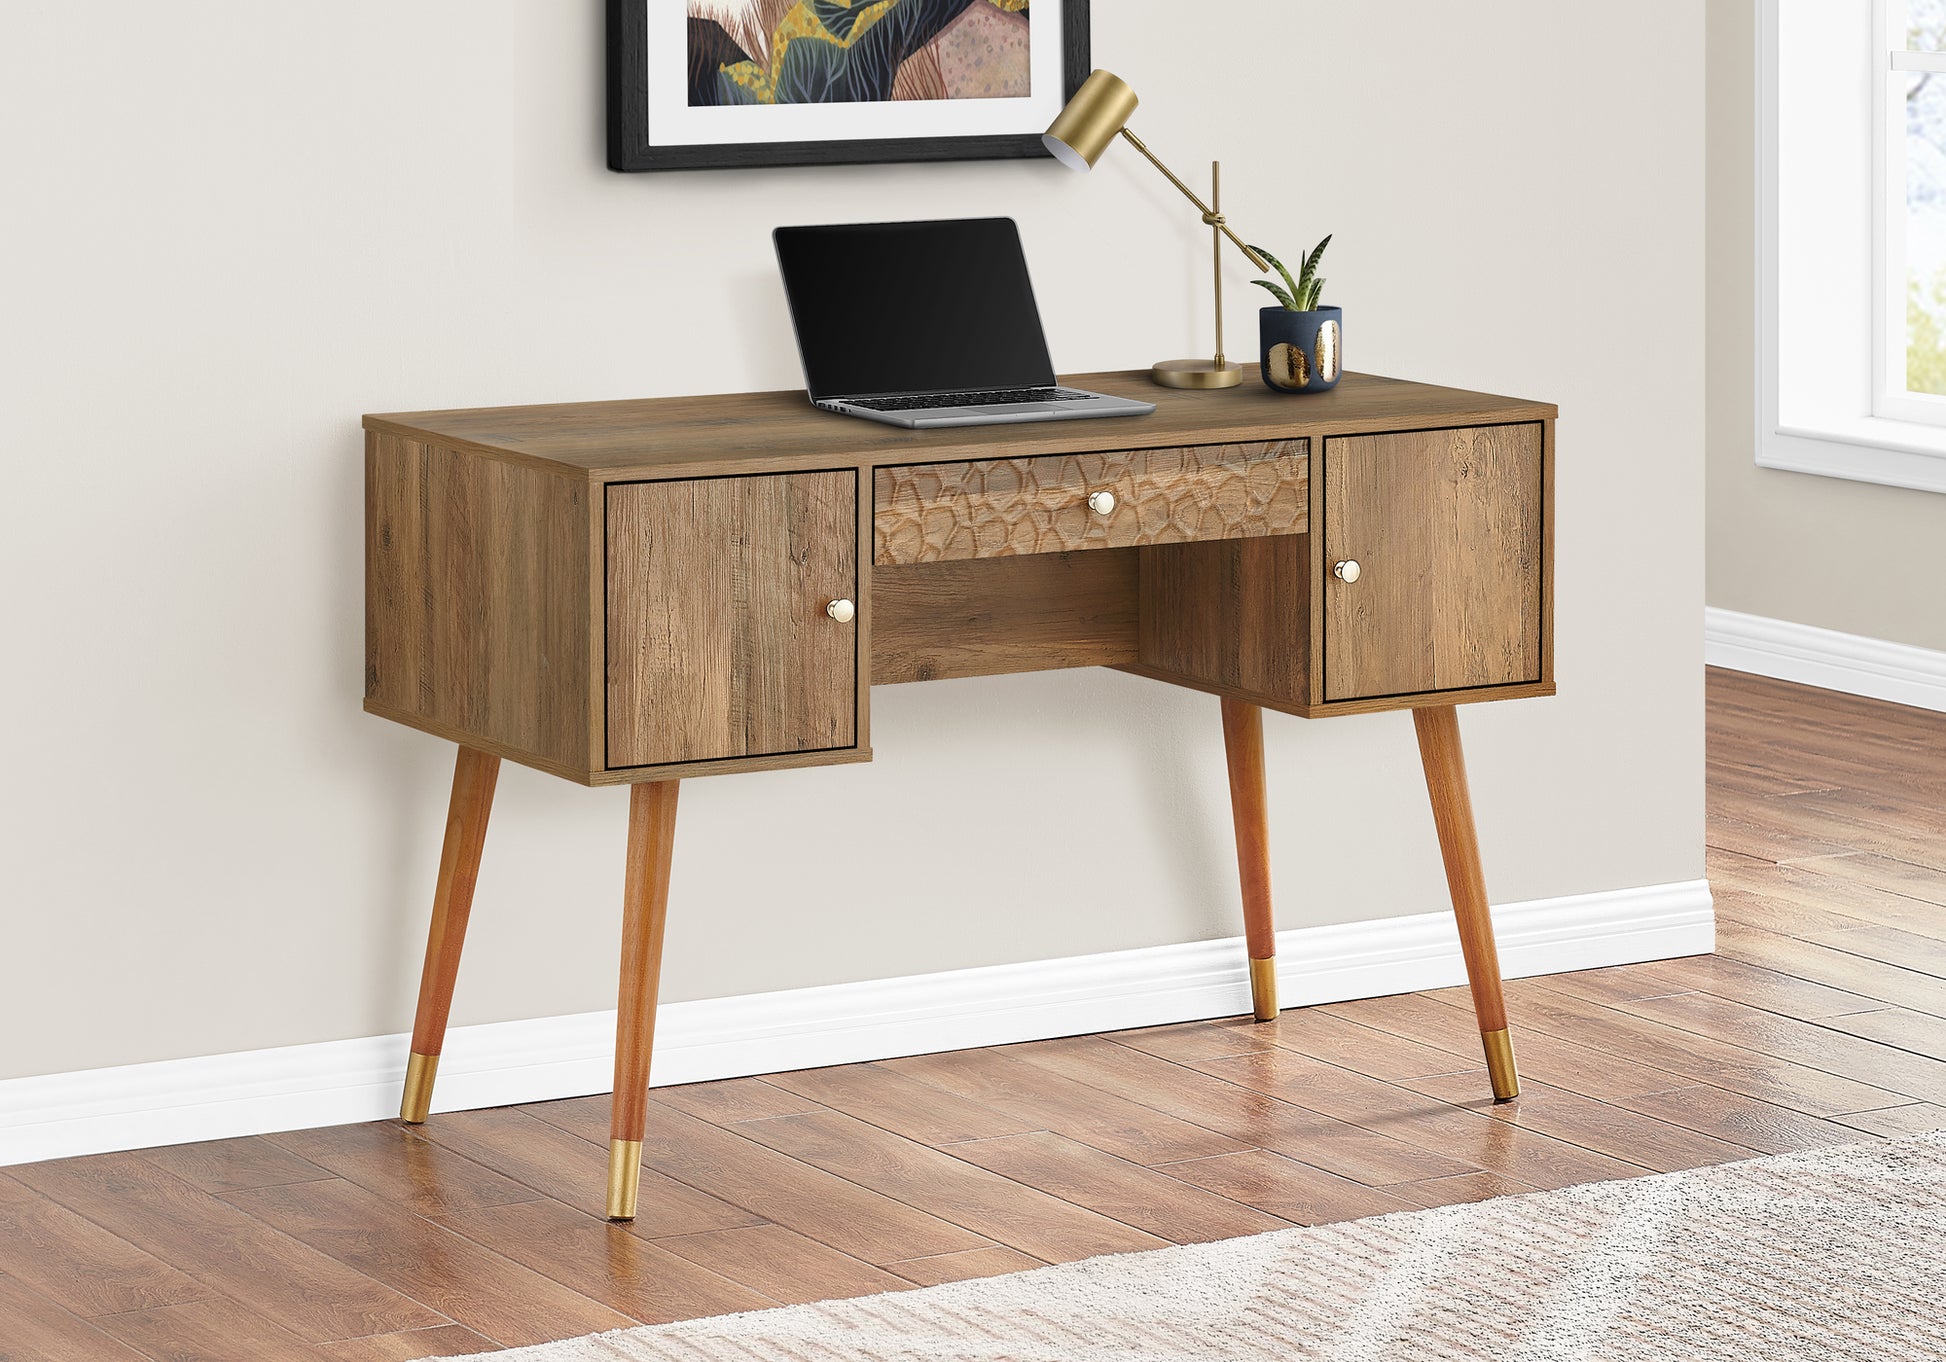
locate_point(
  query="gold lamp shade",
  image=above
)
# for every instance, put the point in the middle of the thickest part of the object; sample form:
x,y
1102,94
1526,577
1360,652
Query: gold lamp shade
x,y
1098,111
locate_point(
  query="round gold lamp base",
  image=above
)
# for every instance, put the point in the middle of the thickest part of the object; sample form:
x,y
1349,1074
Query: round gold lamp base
x,y
1196,373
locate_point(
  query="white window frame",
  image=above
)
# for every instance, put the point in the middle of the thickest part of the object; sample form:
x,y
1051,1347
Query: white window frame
x,y
1824,296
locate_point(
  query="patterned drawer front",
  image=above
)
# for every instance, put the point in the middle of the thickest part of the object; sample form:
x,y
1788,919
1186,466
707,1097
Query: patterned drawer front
x,y
994,508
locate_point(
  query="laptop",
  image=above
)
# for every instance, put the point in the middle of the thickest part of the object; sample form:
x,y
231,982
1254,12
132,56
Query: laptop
x,y
924,324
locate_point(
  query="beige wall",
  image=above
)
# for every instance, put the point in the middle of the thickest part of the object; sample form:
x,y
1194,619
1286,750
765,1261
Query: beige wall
x,y
234,227
1838,554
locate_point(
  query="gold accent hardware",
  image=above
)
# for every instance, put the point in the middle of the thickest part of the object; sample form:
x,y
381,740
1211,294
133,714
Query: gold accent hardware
x,y
1101,503
624,1178
415,1105
1263,988
1500,1064
841,610
1347,571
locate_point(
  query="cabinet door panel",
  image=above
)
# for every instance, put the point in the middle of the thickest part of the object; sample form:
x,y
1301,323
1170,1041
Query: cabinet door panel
x,y
718,641
1445,526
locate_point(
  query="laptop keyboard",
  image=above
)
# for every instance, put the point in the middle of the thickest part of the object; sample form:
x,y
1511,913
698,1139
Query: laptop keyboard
x,y
975,399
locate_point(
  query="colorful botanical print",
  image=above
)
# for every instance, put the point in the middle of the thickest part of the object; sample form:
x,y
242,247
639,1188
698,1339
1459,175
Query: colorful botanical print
x,y
840,51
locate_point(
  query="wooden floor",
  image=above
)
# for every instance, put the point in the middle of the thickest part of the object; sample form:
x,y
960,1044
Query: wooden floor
x,y
1821,1020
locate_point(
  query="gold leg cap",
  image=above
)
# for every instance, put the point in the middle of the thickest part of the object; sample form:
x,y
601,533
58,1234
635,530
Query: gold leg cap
x,y
1263,988
624,1178
1500,1064
417,1102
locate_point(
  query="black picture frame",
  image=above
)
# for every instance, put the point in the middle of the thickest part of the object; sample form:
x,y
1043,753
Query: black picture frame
x,y
631,147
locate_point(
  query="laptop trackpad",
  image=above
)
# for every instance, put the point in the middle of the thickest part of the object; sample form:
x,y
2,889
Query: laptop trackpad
x,y
1020,408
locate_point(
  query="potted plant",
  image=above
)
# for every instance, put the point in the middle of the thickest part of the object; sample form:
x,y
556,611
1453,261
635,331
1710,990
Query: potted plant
x,y
1302,343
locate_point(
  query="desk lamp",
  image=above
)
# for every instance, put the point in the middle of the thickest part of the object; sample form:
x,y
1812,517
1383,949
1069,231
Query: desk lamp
x,y
1077,138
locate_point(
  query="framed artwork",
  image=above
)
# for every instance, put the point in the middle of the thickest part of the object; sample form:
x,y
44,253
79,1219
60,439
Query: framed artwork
x,y
711,84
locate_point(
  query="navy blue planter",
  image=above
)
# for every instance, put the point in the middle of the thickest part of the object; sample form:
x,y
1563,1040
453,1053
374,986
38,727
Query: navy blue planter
x,y
1302,352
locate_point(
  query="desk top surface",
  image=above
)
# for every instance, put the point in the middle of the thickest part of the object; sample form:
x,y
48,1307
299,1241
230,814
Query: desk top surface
x,y
780,431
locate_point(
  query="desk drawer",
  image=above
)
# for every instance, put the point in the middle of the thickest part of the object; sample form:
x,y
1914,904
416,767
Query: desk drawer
x,y
995,508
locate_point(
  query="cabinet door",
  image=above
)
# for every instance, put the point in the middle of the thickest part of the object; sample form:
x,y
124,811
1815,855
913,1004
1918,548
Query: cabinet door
x,y
718,641
1445,526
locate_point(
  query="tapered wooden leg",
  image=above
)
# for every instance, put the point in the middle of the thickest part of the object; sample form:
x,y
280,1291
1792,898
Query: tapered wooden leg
x,y
474,776
1243,747
645,912
1459,844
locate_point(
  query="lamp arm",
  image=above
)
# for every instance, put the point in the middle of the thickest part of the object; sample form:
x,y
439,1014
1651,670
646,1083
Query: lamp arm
x,y
1213,218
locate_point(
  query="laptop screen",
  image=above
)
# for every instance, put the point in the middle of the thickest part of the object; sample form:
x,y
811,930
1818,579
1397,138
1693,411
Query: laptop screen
x,y
913,307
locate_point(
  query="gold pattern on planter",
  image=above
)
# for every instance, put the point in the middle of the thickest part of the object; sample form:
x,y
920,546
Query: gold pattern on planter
x,y
1290,367
1328,352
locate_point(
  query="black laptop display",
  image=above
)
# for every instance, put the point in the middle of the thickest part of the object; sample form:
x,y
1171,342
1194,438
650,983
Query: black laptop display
x,y
925,324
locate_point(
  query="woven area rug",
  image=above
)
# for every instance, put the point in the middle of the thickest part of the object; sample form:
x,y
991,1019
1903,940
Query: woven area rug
x,y
1831,1254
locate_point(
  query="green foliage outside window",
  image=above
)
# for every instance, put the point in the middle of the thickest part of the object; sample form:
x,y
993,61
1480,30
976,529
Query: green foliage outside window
x,y
1925,343
1925,300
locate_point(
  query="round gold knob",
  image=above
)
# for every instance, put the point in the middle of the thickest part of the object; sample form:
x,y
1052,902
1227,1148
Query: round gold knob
x,y
1347,571
1101,503
841,610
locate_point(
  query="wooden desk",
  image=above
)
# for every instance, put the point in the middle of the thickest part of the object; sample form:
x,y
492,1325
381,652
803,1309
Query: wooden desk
x,y
633,593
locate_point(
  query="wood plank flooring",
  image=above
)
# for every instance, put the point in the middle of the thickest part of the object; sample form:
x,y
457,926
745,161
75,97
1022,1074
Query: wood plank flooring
x,y
1821,1020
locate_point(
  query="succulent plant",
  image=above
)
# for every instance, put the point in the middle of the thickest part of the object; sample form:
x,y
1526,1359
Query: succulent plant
x,y
1299,294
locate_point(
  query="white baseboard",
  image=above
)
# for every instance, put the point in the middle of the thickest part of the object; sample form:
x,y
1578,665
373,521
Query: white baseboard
x,y
1825,658
335,1082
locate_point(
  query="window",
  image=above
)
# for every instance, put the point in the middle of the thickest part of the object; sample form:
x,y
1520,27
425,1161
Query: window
x,y
1910,371
1852,240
